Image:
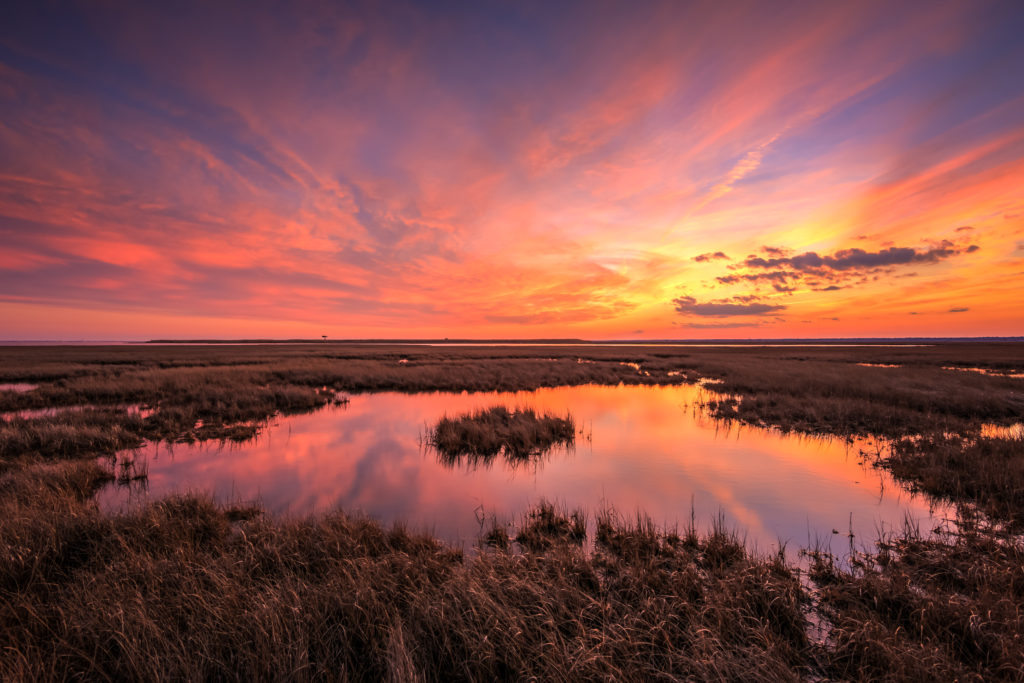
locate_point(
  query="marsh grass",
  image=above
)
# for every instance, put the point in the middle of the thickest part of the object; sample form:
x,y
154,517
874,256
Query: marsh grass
x,y
182,588
131,470
519,435
545,527
926,609
234,390
986,471
71,434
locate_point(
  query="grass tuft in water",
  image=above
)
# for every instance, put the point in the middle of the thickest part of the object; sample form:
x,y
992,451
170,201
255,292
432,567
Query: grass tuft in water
x,y
519,435
545,527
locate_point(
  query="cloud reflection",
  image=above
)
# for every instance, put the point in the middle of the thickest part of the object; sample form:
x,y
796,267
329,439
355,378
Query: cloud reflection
x,y
650,449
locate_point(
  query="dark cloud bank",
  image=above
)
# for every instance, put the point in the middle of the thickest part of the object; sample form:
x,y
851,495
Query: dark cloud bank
x,y
855,259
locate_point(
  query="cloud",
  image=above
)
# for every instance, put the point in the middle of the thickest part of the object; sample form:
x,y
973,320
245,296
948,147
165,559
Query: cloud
x,y
787,272
859,259
773,276
965,228
710,257
688,305
959,310
744,167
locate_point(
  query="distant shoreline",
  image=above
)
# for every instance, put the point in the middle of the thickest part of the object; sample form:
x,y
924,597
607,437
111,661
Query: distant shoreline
x,y
598,342
820,341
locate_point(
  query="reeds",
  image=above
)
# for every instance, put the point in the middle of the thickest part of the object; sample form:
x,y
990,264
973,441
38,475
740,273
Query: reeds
x,y
926,609
545,527
519,435
985,471
179,591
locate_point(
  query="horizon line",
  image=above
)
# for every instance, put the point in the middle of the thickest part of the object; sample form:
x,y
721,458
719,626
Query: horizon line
x,y
509,341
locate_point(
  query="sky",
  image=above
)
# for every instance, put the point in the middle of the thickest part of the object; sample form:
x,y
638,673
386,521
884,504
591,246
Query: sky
x,y
594,170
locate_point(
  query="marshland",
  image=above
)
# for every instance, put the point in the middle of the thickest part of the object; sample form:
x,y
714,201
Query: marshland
x,y
369,511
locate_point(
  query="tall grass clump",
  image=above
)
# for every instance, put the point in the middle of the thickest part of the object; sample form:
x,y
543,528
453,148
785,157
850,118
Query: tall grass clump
x,y
484,434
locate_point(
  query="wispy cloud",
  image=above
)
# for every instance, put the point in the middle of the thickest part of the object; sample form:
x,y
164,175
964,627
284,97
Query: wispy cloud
x,y
749,163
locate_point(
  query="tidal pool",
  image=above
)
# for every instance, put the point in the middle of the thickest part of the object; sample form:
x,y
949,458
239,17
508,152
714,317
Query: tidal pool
x,y
642,448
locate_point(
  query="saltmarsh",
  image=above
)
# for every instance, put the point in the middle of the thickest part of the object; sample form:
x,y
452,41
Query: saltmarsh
x,y
183,587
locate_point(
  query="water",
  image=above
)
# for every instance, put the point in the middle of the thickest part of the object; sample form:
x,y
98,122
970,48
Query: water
x,y
642,448
987,371
996,431
52,411
18,387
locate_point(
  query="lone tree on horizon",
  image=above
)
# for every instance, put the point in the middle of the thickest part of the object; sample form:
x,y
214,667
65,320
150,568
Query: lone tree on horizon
x,y
324,337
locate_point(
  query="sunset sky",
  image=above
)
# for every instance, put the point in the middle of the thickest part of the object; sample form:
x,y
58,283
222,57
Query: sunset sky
x,y
605,171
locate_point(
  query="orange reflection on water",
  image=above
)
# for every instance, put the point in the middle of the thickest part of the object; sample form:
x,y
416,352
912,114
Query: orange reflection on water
x,y
645,448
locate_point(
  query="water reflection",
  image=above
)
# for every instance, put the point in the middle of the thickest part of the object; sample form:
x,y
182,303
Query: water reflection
x,y
986,371
17,387
35,413
995,431
648,448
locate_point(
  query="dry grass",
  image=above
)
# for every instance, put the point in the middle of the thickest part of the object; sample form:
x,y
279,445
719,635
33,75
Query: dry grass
x,y
987,472
519,435
927,609
179,590
185,589
71,434
809,389
818,393
545,527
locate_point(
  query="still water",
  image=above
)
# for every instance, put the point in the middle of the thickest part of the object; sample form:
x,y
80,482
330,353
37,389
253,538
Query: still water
x,y
641,448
